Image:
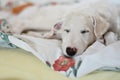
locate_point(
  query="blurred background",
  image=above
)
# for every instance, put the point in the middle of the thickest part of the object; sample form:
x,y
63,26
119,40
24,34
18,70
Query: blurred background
x,y
13,3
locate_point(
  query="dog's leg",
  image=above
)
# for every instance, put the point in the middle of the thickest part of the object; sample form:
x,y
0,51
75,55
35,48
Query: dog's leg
x,y
48,35
54,33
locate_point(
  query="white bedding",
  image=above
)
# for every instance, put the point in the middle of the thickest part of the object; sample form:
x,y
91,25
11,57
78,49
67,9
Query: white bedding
x,y
97,56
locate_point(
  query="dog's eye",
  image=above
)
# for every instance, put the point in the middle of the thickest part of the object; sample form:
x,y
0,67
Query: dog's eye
x,y
84,31
66,30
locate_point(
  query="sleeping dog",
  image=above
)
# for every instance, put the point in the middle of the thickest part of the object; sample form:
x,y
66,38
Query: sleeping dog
x,y
78,26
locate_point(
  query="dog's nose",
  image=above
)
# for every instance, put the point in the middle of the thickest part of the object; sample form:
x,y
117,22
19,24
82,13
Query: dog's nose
x,y
71,51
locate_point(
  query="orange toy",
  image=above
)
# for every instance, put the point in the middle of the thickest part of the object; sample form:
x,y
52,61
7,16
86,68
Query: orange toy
x,y
18,9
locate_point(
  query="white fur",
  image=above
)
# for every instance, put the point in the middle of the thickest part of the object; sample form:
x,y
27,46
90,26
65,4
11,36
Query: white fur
x,y
95,17
37,18
106,17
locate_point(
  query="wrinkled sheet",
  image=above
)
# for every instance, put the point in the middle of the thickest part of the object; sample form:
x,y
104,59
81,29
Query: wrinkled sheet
x,y
97,56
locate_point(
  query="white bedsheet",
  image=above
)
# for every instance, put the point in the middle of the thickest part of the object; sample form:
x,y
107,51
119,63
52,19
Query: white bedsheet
x,y
95,57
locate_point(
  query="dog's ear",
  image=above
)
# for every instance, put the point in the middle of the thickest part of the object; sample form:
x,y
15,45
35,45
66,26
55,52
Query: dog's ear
x,y
57,30
57,26
54,32
101,26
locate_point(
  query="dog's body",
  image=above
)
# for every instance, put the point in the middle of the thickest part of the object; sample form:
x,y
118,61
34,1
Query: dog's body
x,y
37,18
79,28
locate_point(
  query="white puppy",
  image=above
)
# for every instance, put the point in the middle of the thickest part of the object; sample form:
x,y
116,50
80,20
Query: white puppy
x,y
87,23
79,28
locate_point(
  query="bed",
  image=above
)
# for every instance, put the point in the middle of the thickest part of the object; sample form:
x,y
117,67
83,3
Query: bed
x,y
21,64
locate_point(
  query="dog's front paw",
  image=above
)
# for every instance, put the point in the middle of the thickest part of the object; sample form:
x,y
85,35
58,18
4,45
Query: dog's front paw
x,y
49,35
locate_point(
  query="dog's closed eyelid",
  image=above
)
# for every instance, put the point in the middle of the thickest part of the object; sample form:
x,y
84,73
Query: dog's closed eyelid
x,y
67,30
84,31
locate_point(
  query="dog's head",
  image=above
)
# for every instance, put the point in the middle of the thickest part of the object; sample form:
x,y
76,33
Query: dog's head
x,y
78,32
